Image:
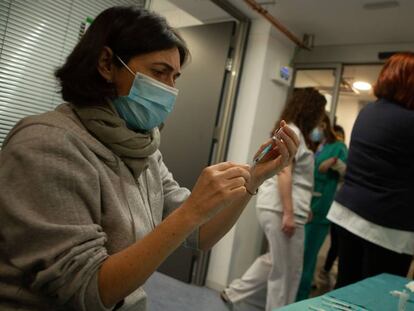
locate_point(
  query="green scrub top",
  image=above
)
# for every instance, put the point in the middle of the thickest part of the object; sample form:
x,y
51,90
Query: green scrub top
x,y
326,183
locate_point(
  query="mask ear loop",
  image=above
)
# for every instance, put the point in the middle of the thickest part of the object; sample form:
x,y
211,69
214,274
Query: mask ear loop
x,y
126,66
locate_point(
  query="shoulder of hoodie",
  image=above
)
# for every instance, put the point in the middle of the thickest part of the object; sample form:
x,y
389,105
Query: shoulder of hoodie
x,y
62,123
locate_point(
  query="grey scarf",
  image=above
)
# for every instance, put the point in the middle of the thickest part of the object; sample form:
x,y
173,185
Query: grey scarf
x,y
132,147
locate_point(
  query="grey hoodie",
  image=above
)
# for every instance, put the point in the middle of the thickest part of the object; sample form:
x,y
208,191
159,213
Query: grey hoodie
x,y
66,203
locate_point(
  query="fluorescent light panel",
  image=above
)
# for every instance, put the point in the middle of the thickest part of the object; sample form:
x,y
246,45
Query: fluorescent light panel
x,y
362,85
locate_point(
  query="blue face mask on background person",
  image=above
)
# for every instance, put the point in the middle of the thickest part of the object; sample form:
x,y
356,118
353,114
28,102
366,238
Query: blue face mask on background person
x,y
148,103
316,135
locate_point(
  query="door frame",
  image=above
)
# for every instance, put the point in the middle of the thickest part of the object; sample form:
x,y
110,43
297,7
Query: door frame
x,y
338,69
225,115
232,80
227,105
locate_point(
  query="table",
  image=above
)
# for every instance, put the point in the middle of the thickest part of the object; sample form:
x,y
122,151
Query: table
x,y
371,294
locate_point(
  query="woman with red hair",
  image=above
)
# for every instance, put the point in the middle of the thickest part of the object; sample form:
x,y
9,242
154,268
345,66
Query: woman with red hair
x,y
374,208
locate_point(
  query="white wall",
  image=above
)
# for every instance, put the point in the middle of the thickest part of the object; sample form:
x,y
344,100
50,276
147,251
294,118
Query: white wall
x,y
260,101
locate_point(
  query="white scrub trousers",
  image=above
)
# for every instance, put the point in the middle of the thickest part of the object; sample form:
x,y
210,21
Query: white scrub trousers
x,y
280,269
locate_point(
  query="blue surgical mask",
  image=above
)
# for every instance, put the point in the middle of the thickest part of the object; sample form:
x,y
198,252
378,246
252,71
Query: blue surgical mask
x,y
317,135
148,103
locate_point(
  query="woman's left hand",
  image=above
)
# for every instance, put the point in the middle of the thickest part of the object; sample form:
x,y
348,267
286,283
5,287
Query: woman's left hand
x,y
284,149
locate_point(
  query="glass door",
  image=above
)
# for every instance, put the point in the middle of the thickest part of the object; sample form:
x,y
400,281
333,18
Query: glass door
x,y
347,88
324,78
355,92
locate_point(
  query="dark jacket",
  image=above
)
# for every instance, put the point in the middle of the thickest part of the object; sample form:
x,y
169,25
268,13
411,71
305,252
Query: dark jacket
x,y
379,183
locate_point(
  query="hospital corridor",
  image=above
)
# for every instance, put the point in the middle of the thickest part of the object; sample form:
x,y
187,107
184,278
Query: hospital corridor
x,y
209,155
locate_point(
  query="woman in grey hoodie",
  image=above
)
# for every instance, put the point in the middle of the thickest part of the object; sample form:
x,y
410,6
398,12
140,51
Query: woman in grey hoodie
x,y
88,209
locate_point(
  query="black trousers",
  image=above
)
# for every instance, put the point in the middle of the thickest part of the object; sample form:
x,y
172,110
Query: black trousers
x,y
333,249
359,259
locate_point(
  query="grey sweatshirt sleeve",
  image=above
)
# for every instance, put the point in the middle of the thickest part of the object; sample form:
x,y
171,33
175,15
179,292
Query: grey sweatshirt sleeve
x,y
49,211
174,196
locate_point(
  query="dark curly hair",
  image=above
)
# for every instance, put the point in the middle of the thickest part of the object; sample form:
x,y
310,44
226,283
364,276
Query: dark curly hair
x,y
305,108
128,32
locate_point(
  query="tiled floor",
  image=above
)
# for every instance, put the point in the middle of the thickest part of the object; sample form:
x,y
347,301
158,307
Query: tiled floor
x,y
165,293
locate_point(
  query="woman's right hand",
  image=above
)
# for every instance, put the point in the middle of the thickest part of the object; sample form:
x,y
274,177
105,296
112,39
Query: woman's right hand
x,y
288,224
327,164
217,187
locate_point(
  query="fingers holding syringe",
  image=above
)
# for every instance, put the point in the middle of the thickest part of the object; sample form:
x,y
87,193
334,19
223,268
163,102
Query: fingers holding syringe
x,y
265,150
283,154
285,129
238,173
270,150
217,186
290,141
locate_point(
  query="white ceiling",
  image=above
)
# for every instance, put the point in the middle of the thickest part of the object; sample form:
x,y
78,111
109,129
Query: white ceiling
x,y
337,22
176,17
333,22
183,13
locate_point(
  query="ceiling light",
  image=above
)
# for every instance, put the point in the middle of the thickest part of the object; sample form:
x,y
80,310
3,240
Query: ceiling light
x,y
362,86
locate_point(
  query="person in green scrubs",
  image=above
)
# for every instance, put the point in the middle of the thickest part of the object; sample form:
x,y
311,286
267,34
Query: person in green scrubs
x,y
330,158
